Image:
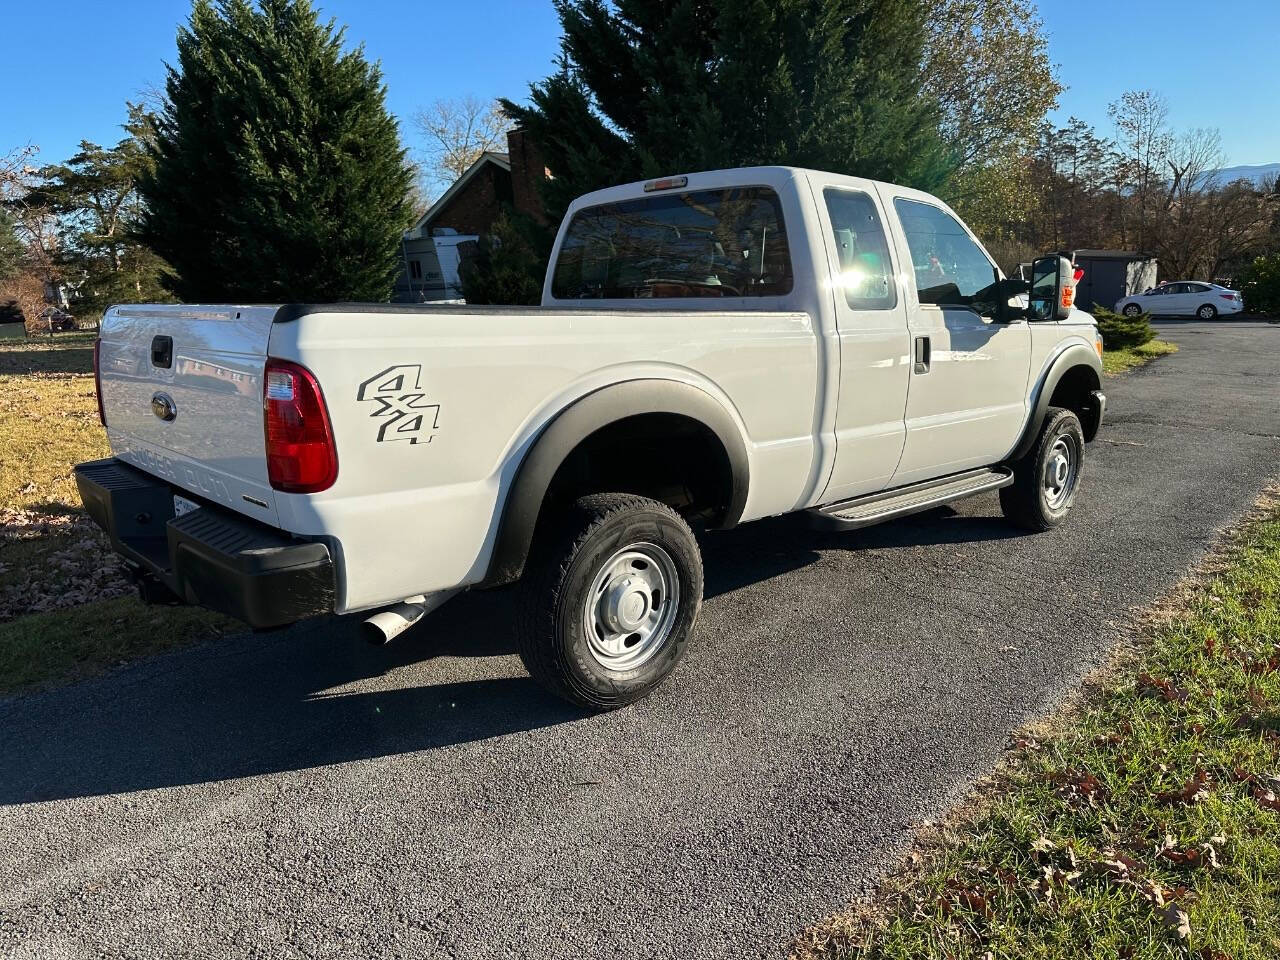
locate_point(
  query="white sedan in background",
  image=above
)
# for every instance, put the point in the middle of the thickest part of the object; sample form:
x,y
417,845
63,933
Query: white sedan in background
x,y
1183,298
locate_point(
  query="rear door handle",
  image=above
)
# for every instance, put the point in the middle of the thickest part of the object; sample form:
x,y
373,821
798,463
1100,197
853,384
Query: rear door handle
x,y
922,355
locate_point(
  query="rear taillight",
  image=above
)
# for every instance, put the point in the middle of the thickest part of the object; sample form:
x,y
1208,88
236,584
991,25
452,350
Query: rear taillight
x,y
1227,296
97,379
301,457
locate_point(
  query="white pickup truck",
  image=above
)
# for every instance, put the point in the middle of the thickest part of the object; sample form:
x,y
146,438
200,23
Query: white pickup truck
x,y
711,349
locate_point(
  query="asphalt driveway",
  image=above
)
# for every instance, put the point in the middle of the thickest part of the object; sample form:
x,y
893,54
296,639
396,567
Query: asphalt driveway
x,y
301,794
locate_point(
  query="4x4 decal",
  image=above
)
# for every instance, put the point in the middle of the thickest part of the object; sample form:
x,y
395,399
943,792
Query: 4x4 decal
x,y
401,403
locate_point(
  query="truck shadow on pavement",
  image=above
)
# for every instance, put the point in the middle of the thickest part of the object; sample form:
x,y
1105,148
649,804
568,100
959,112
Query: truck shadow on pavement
x,y
315,695
769,548
309,696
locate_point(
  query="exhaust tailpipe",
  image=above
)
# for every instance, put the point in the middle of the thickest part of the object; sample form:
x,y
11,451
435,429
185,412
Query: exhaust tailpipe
x,y
385,626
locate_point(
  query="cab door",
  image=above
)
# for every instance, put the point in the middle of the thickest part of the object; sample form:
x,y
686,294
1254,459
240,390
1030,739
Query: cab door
x,y
967,397
872,324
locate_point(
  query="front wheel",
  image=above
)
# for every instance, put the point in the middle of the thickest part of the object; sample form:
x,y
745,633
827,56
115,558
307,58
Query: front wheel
x,y
1046,479
610,600
1132,310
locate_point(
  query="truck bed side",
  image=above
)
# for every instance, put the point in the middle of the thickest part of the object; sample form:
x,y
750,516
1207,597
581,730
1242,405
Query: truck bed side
x,y
433,409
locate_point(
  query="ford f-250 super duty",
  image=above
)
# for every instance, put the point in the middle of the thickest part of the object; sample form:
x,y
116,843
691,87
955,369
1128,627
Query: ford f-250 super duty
x,y
710,349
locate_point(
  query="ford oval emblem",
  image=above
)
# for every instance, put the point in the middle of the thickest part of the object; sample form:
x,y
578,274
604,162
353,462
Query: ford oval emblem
x,y
162,406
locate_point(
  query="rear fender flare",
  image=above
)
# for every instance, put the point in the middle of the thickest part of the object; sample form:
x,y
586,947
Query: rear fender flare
x,y
523,503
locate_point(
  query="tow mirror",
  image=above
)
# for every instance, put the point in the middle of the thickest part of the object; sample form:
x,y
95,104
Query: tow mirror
x,y
1053,288
1009,294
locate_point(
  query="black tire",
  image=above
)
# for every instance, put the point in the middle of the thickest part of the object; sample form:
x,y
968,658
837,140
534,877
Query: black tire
x,y
568,556
1028,502
1131,310
1207,311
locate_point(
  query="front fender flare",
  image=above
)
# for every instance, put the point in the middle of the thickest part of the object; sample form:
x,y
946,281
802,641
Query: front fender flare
x,y
1075,355
523,503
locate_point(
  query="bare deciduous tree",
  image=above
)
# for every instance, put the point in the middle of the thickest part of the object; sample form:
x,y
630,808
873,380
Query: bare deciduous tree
x,y
1192,159
457,132
37,231
1141,120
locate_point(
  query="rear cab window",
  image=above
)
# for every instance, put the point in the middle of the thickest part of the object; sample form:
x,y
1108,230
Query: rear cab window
x,y
729,242
950,268
862,250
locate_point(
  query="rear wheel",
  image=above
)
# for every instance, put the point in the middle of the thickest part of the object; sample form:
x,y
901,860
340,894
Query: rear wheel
x,y
1131,310
1046,479
1207,312
610,599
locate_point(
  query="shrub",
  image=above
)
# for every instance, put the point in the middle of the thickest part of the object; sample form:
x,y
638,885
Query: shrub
x,y
1260,285
509,265
1121,332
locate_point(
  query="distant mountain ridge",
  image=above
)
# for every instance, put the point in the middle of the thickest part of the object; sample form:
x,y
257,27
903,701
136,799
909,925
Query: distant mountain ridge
x,y
1256,174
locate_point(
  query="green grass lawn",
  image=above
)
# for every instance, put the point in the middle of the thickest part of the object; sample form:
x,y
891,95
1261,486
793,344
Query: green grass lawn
x,y
65,609
1118,361
1147,825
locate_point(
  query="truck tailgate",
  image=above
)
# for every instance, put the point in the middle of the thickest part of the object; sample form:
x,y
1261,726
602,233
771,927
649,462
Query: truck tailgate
x,y
182,396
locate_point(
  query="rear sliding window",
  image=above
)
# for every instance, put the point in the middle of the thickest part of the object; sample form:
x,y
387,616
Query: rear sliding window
x,y
709,243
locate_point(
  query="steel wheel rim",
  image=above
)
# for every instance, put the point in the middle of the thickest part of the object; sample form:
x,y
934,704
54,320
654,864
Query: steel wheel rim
x,y
1060,472
631,606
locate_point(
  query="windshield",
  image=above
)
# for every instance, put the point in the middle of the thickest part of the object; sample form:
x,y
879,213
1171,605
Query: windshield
x,y
708,243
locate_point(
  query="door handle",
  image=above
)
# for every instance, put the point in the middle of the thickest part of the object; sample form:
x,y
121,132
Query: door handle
x,y
922,355
162,352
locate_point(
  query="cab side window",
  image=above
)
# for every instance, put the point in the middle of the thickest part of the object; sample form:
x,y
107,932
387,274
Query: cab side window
x,y
950,269
862,250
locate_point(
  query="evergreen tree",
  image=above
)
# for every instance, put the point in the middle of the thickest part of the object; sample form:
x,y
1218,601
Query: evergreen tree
x,y
652,87
11,249
278,174
510,264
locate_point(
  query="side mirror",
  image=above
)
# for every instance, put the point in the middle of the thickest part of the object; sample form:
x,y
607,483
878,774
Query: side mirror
x,y
1053,289
1005,290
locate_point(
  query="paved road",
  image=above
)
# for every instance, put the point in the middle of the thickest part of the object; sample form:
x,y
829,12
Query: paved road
x,y
300,794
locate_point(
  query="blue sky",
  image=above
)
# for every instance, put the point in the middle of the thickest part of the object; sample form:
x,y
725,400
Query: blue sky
x,y
1215,63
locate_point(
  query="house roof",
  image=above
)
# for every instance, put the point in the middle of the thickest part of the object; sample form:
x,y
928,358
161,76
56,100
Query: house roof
x,y
502,160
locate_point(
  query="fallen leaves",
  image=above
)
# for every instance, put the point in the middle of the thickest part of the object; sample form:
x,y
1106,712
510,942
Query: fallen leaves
x,y
1149,686
1260,666
1176,921
1266,797
957,894
1079,788
73,564
1116,865
1204,856
1193,791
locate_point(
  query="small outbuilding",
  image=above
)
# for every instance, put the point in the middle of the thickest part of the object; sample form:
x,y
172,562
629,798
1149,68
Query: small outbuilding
x,y
1110,275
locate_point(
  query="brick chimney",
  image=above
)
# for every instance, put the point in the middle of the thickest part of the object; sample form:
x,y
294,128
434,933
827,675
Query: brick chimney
x,y
527,173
